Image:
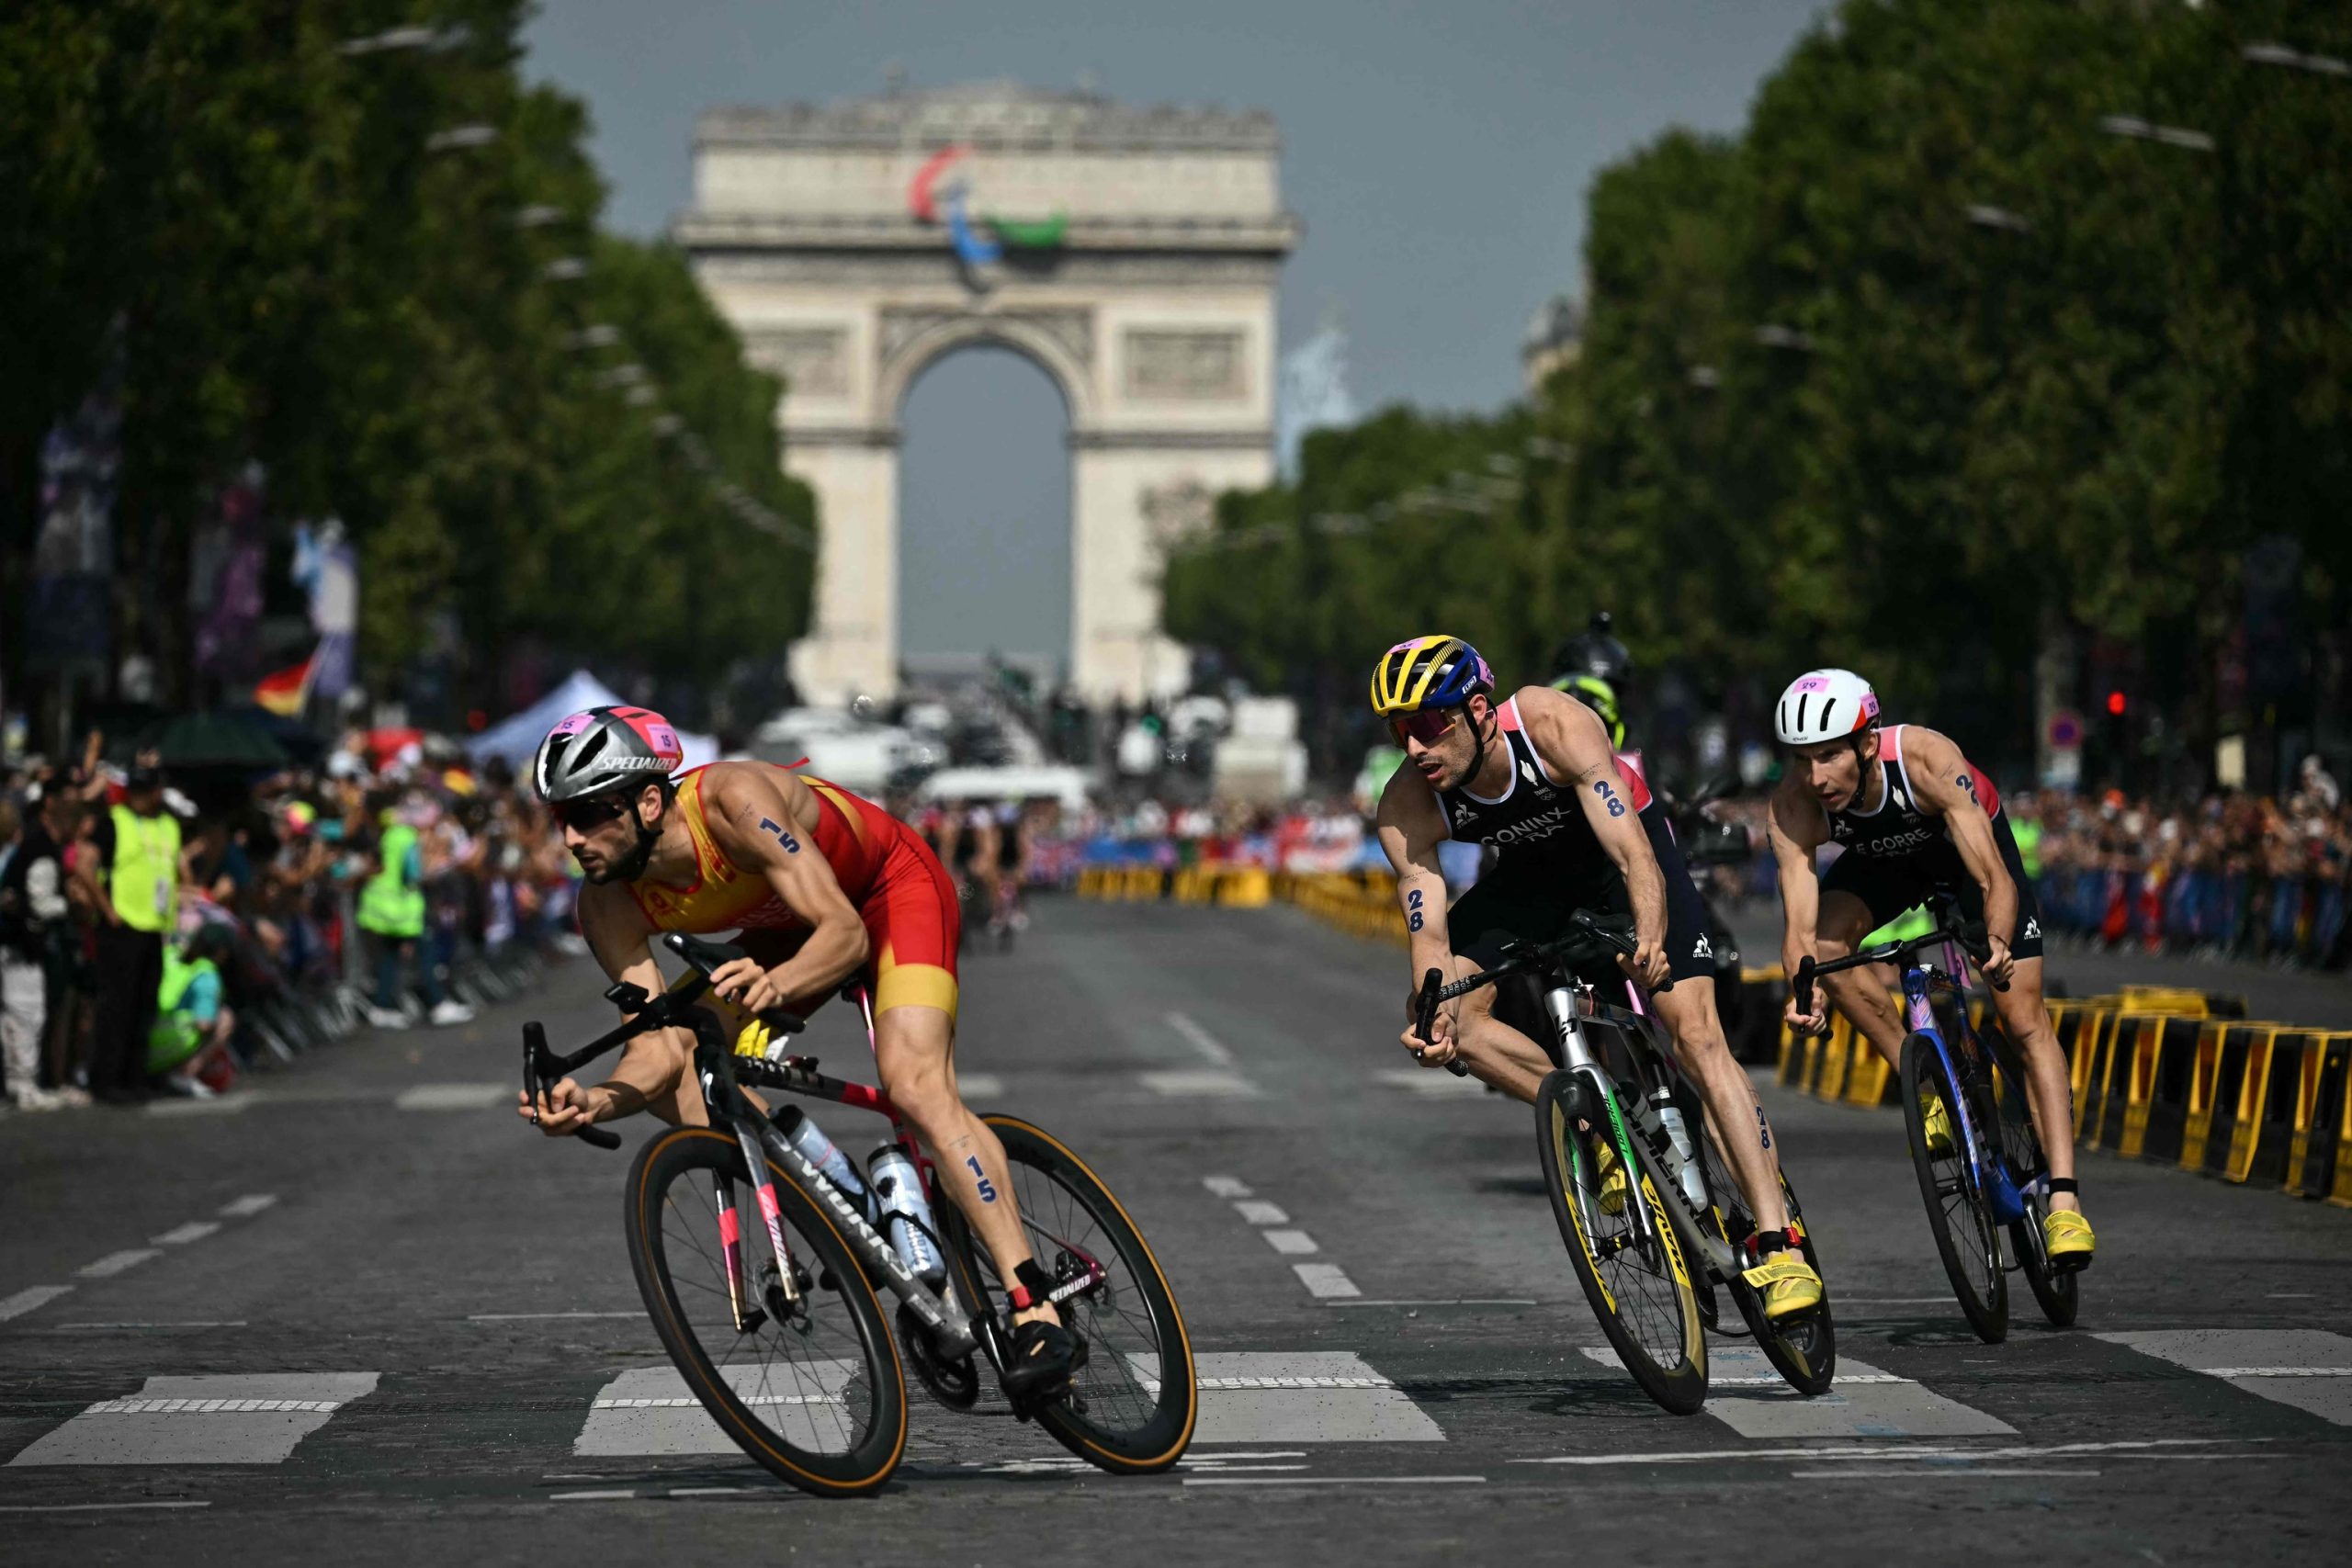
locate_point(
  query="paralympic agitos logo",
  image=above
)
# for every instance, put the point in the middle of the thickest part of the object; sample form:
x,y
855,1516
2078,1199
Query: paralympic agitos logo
x,y
941,193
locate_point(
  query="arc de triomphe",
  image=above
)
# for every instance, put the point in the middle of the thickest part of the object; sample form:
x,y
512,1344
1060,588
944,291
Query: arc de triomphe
x,y
1131,253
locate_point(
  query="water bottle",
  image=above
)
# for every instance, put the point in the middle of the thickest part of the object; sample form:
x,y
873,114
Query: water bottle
x,y
1670,1114
817,1150
898,1194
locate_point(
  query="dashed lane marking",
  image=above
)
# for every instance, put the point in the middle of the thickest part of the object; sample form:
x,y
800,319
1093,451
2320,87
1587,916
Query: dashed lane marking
x,y
1225,1185
28,1299
1336,1481
99,1507
1753,1400
542,1316
246,1418
114,1263
1434,1082
1258,1212
1886,1453
968,1086
251,1203
1254,1399
1290,1244
1439,1301
650,1411
1325,1279
2308,1369
452,1096
195,1230
1200,1084
1212,1050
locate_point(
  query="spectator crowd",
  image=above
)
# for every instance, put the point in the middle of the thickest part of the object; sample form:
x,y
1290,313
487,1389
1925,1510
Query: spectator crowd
x,y
163,928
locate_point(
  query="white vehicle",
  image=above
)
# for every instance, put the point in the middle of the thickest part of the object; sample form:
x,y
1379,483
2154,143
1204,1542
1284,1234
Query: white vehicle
x,y
838,747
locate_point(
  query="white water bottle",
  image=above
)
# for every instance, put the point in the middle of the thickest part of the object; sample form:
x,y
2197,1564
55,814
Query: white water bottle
x,y
819,1150
1693,1187
897,1197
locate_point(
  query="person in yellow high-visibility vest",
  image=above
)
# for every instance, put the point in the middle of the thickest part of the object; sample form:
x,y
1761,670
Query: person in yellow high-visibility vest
x,y
391,912
139,849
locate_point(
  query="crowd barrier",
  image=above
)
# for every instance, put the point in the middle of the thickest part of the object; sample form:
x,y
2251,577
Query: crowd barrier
x,y
2160,1073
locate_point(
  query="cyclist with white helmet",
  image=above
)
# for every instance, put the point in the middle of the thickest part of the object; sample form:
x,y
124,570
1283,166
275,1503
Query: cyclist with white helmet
x,y
822,884
1914,819
1574,827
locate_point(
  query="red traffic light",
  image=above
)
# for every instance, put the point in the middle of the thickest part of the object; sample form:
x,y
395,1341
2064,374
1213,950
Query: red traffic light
x,y
2115,704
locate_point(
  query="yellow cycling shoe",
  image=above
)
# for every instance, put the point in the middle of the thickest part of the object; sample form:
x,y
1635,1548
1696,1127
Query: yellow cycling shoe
x,y
1614,1185
1936,1122
1789,1284
2067,1237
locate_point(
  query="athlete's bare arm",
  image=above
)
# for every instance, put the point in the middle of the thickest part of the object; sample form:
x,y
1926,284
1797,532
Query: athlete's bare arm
x,y
1410,825
1943,784
1568,737
652,1072
765,820
1795,828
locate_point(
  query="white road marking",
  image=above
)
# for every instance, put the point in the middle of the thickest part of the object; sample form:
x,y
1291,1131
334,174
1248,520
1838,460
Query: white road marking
x,y
1325,1279
1225,1185
588,1496
1212,1050
1250,1399
2309,1369
186,1322
1864,1402
1444,1301
96,1507
650,1410
1338,1481
1257,1212
542,1316
246,1418
1290,1244
28,1298
711,1491
195,1230
1955,1472
245,1207
1200,1084
114,1263
1883,1453
220,1105
452,1096
968,1086
1431,1081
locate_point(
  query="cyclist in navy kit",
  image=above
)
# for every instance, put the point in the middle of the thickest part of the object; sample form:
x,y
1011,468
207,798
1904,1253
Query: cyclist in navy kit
x,y
1915,821
1573,825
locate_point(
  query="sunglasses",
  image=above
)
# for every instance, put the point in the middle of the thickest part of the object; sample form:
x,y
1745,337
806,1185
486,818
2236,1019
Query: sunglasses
x,y
1428,726
584,816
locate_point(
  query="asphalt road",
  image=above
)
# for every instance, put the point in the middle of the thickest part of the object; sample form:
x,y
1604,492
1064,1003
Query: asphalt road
x,y
429,1302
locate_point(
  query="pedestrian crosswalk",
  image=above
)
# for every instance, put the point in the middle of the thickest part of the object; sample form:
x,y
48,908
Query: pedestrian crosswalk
x,y
1250,1401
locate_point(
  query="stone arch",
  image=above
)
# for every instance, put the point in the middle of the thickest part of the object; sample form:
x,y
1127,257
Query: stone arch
x,y
1140,249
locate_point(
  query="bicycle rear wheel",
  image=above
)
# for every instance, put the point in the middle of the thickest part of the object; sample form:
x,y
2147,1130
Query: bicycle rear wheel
x,y
1640,1289
2057,1292
817,1397
1958,1214
1132,1407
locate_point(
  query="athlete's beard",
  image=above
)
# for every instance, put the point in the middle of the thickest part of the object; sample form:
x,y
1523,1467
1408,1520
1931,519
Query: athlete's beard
x,y
631,866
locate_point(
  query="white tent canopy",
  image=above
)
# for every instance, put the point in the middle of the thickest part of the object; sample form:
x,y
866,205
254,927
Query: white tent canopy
x,y
517,739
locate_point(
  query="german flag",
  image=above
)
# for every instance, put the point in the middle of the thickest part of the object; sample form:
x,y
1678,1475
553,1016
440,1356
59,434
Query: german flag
x,y
286,693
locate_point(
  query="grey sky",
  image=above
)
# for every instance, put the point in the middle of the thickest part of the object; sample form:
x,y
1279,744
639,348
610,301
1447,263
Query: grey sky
x,y
1438,152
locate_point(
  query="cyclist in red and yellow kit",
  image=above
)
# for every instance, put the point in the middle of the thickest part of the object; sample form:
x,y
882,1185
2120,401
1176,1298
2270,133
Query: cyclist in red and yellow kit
x,y
822,884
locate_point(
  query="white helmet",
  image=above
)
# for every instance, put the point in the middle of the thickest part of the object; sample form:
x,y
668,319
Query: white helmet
x,y
1825,705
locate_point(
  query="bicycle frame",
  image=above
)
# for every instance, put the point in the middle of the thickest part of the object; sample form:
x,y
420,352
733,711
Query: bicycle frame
x,y
1923,984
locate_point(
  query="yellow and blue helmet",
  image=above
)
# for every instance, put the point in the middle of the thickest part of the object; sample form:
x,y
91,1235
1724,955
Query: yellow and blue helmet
x,y
1435,671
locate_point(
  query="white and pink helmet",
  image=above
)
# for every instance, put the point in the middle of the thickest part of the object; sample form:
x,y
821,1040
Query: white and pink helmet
x,y
1825,705
603,749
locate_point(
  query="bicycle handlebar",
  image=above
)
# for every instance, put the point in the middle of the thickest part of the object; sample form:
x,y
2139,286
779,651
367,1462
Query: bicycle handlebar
x,y
1612,934
1431,984
668,1010
1971,937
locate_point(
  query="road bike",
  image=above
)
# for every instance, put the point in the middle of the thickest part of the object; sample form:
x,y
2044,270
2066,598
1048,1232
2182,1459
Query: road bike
x,y
773,1320
1649,1251
1993,1177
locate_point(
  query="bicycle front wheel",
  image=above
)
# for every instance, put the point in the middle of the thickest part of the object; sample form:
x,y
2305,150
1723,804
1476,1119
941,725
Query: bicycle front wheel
x,y
814,1393
1959,1212
1132,1407
1640,1287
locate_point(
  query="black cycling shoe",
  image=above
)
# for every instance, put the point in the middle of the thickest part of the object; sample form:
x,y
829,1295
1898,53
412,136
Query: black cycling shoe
x,y
1039,1365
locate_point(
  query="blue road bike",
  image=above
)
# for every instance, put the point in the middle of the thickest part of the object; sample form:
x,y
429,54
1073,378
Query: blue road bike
x,y
1988,1188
